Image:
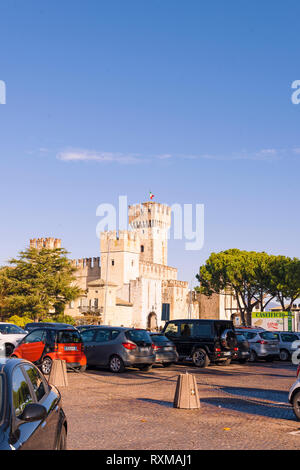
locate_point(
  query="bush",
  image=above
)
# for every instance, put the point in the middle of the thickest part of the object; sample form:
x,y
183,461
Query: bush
x,y
19,321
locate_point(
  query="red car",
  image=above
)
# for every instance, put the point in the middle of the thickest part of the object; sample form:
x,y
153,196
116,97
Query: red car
x,y
42,345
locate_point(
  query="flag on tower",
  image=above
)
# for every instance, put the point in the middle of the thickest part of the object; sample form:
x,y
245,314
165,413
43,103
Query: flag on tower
x,y
151,195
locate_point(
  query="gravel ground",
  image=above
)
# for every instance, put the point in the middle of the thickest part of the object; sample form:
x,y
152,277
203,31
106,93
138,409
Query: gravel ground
x,y
242,407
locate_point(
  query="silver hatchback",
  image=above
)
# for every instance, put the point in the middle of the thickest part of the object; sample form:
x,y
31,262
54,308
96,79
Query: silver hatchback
x,y
288,343
263,344
118,347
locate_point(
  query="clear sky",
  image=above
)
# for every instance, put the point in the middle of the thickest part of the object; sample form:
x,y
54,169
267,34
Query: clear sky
x,y
188,99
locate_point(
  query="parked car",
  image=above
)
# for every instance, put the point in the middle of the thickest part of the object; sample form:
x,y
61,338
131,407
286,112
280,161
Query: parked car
x,y
202,341
242,352
10,336
294,397
42,345
31,326
287,343
263,344
31,414
118,347
165,350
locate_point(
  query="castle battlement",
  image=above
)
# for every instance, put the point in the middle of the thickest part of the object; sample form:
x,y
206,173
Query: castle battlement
x,y
157,271
124,240
50,243
88,263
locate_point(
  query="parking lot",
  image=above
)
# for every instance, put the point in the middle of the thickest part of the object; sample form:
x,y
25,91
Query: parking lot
x,y
242,407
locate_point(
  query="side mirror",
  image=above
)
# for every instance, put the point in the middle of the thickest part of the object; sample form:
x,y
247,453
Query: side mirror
x,y
33,412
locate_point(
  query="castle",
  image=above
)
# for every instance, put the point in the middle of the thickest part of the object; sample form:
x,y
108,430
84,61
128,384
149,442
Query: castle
x,y
131,284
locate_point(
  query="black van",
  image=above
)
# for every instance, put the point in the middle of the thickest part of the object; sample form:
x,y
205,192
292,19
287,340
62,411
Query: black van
x,y
203,341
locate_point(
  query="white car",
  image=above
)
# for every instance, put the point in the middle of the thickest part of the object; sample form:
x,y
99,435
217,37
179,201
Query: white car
x,y
10,336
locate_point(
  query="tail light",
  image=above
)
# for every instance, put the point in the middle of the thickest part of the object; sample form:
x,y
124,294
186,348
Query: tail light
x,y
129,346
218,349
235,349
155,347
262,341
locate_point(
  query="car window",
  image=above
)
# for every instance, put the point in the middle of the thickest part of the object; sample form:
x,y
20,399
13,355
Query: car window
x,y
240,337
267,335
11,330
102,336
38,383
159,338
138,335
20,391
115,334
289,337
69,336
87,336
35,336
195,329
249,334
172,329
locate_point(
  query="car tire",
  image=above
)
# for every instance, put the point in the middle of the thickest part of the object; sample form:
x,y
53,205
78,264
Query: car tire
x,y
46,365
284,355
296,404
62,441
200,358
116,365
9,349
145,367
167,364
253,356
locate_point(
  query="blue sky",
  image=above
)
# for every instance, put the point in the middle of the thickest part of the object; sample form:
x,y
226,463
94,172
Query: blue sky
x,y
191,100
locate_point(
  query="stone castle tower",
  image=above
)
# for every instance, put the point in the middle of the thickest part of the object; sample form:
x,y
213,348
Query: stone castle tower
x,y
151,221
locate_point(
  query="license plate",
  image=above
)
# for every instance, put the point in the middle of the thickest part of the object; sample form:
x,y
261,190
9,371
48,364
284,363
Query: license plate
x,y
144,350
227,353
168,348
244,353
70,348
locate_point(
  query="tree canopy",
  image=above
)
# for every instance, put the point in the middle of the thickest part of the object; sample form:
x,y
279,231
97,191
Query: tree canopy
x,y
37,283
255,278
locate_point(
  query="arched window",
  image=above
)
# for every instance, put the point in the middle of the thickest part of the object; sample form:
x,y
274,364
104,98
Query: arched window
x,y
142,249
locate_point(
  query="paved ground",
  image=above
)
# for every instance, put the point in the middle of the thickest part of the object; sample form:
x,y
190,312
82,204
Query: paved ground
x,y
242,407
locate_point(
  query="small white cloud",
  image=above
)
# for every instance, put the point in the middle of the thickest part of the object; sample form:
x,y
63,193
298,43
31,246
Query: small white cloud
x,y
86,155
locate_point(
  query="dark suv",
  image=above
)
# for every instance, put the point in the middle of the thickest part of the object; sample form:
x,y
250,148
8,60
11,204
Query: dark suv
x,y
202,341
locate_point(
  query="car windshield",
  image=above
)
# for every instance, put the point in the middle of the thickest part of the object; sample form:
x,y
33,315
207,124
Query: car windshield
x,y
159,338
267,335
138,336
69,336
9,329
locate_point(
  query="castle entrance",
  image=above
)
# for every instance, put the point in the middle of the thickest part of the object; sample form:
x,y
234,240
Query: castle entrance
x,y
152,321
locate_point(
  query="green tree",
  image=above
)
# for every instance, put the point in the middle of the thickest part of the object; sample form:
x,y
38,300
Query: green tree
x,y
240,272
285,280
40,283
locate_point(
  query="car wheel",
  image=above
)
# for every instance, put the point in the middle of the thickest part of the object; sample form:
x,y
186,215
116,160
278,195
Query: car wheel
x,y
284,355
116,364
296,404
9,349
167,364
253,356
62,442
145,367
200,358
46,365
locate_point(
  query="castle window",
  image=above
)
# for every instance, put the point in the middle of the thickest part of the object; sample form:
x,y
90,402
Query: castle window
x,y
142,248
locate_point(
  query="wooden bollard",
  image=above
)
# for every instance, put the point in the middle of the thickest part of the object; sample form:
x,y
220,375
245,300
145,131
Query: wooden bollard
x,y
58,373
186,394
